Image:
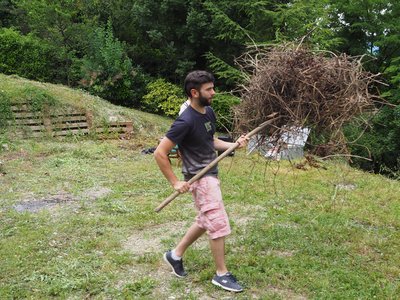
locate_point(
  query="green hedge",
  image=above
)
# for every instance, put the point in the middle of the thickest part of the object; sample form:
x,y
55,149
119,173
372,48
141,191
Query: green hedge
x,y
25,55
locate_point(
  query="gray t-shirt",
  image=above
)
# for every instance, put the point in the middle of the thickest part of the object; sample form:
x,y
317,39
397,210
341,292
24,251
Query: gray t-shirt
x,y
194,133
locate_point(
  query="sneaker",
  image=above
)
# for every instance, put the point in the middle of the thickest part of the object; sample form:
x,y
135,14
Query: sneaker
x,y
176,265
227,282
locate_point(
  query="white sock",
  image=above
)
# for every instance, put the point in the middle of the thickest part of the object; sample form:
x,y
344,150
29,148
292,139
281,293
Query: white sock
x,y
219,275
174,256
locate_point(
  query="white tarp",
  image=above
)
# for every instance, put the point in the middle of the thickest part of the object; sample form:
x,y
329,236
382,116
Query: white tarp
x,y
289,145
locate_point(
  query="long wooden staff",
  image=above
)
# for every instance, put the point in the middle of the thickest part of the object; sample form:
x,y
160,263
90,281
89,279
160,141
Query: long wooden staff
x,y
215,161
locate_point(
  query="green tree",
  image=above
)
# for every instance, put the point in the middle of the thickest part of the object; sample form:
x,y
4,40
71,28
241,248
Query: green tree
x,y
107,71
372,27
372,30
60,23
311,21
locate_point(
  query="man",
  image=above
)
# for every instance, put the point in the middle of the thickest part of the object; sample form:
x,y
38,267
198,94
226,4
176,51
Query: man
x,y
194,131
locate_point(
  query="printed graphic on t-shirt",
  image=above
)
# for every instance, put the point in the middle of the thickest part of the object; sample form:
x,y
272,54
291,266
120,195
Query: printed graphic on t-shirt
x,y
194,133
208,126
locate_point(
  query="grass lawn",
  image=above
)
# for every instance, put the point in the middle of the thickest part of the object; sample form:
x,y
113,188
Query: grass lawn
x,y
77,218
77,222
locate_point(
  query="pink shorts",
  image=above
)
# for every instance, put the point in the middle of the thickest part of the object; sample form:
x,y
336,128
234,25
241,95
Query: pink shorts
x,y
211,211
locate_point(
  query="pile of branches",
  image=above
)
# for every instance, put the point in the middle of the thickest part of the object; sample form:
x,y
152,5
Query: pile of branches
x,y
318,90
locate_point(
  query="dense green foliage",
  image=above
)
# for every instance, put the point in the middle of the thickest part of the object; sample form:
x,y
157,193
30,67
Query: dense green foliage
x,y
379,142
26,55
222,105
107,71
116,48
163,98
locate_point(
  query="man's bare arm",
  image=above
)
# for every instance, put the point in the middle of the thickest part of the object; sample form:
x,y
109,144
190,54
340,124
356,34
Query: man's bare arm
x,y
221,145
161,156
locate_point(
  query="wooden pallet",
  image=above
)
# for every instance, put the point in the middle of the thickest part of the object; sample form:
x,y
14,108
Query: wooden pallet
x,y
27,121
72,122
75,122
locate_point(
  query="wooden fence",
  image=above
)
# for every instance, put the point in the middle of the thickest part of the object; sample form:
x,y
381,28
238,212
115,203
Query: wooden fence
x,y
38,123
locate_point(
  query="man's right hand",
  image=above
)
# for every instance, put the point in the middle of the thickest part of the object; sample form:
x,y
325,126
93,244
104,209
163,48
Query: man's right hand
x,y
181,186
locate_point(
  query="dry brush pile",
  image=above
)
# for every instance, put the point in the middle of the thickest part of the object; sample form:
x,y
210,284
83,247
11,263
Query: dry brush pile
x,y
318,90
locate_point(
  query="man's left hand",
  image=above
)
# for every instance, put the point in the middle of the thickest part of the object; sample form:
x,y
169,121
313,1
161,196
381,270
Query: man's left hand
x,y
242,141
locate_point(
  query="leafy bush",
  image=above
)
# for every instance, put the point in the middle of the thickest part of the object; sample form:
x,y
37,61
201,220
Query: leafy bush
x,y
381,142
107,70
222,105
25,55
163,98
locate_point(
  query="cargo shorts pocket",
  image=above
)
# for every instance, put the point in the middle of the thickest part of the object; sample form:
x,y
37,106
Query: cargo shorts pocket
x,y
214,217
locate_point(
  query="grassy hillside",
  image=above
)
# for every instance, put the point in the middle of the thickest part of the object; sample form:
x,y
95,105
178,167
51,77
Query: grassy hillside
x,y
77,222
18,90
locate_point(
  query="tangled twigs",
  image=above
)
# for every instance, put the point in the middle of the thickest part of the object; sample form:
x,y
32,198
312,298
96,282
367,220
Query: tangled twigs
x,y
321,91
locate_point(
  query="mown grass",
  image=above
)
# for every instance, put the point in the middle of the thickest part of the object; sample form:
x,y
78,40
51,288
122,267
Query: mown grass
x,y
295,233
325,233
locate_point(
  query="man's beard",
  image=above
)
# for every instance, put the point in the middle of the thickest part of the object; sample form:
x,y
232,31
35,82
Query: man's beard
x,y
203,101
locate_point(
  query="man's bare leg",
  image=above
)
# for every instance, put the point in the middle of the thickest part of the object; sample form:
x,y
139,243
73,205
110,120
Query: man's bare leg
x,y
193,233
218,251
223,279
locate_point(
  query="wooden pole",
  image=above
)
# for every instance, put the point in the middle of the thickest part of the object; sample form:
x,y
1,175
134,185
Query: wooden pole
x,y
215,161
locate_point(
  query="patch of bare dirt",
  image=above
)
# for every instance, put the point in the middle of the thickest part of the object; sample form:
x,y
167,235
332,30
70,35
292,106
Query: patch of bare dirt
x,y
34,205
15,155
279,253
346,187
60,199
286,293
96,193
149,240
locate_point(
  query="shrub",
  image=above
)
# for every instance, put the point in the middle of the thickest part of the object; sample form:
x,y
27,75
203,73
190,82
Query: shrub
x,y
25,55
163,98
107,70
380,142
222,105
